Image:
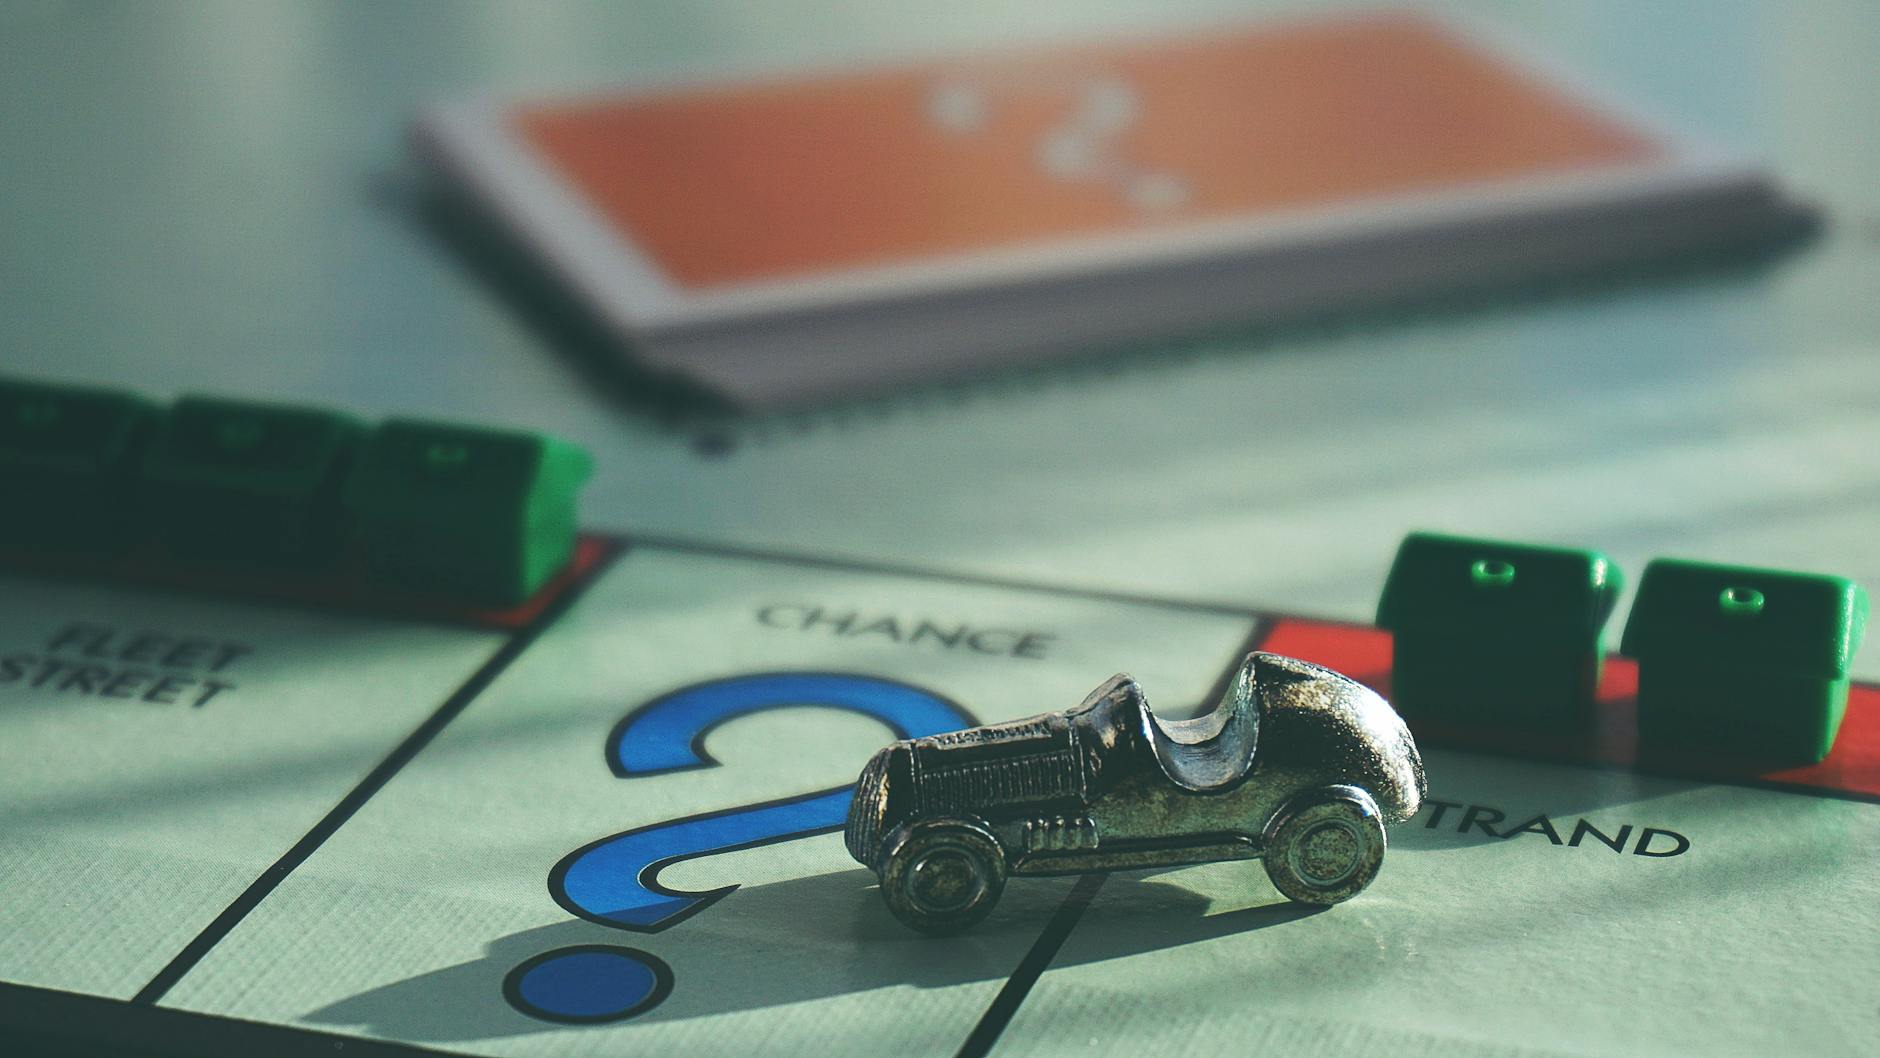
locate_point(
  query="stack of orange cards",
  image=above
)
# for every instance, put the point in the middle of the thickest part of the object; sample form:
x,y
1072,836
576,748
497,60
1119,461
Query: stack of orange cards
x,y
803,237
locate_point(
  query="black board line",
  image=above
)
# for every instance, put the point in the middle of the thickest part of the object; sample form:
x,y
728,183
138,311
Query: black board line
x,y
1012,994
1665,774
843,564
286,603
406,610
39,1020
1064,921
1264,621
623,543
375,780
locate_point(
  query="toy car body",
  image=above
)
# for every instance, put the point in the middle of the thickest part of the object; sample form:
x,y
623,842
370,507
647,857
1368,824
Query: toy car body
x,y
1297,764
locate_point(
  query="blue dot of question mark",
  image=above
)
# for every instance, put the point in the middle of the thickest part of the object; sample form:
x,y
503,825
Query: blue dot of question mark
x,y
614,881
588,983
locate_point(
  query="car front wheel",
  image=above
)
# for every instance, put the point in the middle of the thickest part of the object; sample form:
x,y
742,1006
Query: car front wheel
x,y
941,875
1325,846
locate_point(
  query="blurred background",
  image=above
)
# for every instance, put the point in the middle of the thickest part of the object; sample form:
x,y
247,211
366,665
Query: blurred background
x,y
219,197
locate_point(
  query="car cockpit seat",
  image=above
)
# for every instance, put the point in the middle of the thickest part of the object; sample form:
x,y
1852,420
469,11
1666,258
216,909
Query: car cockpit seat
x,y
1214,751
1207,753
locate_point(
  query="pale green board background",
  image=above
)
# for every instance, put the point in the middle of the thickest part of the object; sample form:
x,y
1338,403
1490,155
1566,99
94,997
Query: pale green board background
x,y
405,922
126,826
1755,941
213,196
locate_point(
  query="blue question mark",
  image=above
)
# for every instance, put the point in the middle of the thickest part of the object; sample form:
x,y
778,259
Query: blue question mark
x,y
615,881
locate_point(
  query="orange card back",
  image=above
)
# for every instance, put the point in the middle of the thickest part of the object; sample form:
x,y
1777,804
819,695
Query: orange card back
x,y
820,174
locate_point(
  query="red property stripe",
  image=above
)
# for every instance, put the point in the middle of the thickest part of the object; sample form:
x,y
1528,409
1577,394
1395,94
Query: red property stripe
x,y
346,585
1363,653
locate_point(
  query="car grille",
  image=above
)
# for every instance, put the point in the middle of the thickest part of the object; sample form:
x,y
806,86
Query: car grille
x,y
981,785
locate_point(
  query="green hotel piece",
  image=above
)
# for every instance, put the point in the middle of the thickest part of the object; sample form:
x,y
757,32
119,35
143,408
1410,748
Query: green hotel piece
x,y
475,514
1749,662
250,482
1503,634
68,463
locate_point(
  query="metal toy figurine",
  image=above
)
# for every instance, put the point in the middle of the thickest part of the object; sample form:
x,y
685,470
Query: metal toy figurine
x,y
1297,765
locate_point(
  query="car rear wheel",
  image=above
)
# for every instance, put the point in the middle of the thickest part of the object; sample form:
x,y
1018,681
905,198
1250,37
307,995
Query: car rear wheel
x,y
1325,846
941,875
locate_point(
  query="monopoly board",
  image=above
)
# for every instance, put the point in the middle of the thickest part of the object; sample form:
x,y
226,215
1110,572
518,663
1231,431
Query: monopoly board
x,y
609,823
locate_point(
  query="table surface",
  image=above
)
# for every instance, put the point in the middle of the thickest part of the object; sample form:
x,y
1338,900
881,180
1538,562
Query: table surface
x,y
217,197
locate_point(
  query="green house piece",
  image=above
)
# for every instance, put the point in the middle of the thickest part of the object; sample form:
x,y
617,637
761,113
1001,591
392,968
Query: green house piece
x,y
478,515
1500,634
1749,662
68,465
255,483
